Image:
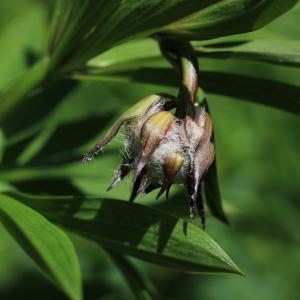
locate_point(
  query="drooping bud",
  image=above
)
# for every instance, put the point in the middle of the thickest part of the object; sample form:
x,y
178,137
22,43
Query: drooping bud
x,y
203,157
153,131
172,165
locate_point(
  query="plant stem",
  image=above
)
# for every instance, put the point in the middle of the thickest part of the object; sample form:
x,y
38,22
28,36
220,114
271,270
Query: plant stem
x,y
16,93
181,55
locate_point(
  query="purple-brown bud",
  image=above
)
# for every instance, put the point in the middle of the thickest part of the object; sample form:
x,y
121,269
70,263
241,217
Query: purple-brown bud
x,y
163,149
153,131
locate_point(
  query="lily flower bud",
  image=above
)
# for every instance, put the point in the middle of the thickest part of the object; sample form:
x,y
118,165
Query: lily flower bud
x,y
172,165
163,149
153,131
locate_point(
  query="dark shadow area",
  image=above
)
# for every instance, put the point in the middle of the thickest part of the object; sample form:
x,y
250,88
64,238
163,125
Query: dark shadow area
x,y
31,57
48,186
165,231
70,136
109,220
39,104
34,286
227,44
12,152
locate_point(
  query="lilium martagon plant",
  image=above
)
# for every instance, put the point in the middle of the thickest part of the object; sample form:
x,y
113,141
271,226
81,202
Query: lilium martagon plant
x,y
161,147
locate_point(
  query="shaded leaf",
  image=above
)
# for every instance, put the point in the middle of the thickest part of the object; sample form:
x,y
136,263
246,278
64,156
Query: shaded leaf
x,y
283,52
46,244
137,282
136,230
263,91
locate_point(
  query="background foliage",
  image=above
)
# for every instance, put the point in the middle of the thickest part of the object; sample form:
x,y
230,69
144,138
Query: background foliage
x,y
257,150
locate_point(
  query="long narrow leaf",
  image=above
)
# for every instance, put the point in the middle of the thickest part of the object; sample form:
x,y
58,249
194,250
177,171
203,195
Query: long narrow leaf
x,y
263,91
46,244
136,230
81,29
283,52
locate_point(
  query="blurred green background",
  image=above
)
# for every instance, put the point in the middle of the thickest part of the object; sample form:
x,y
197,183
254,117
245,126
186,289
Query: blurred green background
x,y
257,153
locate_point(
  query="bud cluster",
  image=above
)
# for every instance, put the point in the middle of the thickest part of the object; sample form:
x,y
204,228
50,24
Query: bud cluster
x,y
168,139
162,148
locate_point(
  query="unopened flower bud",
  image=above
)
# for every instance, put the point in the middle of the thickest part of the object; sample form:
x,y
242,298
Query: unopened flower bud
x,y
153,131
172,165
163,149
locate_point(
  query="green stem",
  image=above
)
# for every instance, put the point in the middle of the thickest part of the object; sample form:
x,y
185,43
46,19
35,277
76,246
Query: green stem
x,y
182,56
15,94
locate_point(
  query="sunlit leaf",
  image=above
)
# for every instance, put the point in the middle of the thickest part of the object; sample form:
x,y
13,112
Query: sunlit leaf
x,y
82,29
45,243
136,230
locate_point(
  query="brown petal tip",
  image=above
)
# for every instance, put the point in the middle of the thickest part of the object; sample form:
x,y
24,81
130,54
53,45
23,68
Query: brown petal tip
x,y
139,185
172,165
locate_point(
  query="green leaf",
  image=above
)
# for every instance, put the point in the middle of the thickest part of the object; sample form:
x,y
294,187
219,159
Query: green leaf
x,y
136,230
268,92
137,282
228,17
283,52
262,91
46,244
83,29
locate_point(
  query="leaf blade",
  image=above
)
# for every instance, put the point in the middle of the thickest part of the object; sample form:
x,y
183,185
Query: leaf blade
x,y
281,52
136,230
136,281
268,92
47,245
88,28
228,17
